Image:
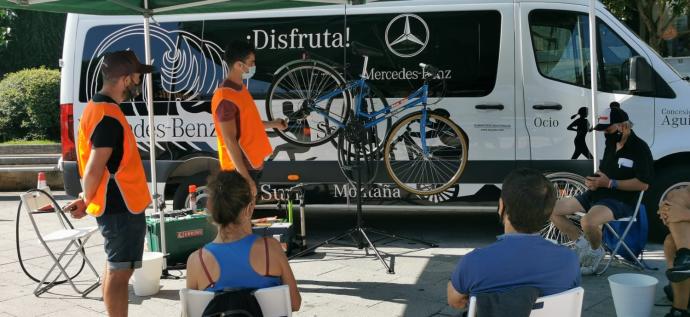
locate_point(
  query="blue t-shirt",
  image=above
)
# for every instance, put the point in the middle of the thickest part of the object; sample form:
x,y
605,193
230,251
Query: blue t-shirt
x,y
515,260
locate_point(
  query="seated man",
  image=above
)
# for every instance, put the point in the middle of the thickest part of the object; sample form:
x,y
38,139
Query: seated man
x,y
675,213
520,257
625,170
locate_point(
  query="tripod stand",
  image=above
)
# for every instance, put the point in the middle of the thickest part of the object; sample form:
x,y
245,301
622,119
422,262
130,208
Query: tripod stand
x,y
359,233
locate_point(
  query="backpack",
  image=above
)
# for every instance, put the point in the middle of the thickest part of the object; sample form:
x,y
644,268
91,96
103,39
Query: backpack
x,y
233,302
636,238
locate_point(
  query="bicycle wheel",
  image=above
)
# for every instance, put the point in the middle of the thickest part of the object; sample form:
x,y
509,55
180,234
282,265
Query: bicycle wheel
x,y
566,185
425,173
297,96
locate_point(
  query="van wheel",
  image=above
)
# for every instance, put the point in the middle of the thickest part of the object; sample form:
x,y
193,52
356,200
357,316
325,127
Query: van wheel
x,y
180,196
665,181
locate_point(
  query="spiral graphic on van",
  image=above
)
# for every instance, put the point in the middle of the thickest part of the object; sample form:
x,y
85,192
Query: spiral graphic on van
x,y
187,65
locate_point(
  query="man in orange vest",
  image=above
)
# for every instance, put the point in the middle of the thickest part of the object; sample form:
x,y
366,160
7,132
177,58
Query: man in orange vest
x,y
113,179
242,140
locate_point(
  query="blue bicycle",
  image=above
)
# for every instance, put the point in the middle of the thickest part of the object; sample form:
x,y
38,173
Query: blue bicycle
x,y
424,152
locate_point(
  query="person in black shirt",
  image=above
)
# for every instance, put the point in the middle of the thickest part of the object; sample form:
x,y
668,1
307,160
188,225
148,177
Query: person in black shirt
x,y
123,229
625,170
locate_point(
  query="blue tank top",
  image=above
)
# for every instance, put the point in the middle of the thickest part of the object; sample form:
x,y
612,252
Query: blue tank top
x,y
235,269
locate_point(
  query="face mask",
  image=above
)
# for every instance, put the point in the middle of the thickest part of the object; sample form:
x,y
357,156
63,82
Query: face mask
x,y
249,73
613,138
132,91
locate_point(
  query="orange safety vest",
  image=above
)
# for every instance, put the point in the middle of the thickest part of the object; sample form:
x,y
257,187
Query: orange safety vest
x,y
129,177
253,138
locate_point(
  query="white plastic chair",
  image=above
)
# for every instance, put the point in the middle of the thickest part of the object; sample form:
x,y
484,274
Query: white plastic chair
x,y
35,202
194,302
564,304
274,301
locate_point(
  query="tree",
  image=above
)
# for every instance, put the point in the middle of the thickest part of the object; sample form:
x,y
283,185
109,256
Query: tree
x,y
656,16
33,39
5,26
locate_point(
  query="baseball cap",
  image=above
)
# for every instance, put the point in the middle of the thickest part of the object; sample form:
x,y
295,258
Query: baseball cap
x,y
610,116
122,63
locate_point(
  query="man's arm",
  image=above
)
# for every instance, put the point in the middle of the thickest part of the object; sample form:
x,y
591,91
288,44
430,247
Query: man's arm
x,y
455,299
229,131
93,173
279,124
603,181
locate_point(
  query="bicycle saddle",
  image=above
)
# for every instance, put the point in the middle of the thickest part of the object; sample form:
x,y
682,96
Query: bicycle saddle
x,y
361,49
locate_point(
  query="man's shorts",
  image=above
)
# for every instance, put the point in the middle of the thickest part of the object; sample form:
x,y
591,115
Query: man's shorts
x,y
619,209
124,239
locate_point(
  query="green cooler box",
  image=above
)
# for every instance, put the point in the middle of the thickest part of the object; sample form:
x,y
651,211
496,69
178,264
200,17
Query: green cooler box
x,y
183,235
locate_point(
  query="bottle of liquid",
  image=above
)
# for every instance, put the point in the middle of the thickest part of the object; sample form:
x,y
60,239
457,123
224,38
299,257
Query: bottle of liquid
x,y
192,197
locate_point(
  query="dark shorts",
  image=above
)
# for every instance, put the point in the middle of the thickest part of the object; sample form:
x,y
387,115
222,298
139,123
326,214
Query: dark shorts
x,y
619,209
124,239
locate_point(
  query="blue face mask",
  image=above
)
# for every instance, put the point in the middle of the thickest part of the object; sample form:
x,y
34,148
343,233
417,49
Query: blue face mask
x,y
250,72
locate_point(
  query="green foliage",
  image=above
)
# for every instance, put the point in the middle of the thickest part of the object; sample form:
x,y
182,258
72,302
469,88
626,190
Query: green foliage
x,y
31,142
655,17
29,105
33,39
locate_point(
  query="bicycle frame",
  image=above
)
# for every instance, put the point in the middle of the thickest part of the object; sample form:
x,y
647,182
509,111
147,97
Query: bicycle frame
x,y
418,97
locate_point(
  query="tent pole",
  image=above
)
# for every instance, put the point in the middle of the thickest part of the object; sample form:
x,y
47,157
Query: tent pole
x,y
152,136
593,70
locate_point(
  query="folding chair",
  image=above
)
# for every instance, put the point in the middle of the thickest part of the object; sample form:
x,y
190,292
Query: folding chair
x,y
639,207
564,304
40,202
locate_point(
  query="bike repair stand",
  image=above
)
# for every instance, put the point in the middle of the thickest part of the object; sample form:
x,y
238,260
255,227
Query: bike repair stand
x,y
359,233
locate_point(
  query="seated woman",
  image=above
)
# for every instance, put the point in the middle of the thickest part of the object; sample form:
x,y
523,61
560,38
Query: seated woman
x,y
237,258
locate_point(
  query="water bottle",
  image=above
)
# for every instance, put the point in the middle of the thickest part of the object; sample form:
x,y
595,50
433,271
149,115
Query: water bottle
x,y
192,197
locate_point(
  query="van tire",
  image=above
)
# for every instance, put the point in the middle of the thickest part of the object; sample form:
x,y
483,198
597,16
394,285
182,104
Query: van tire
x,y
665,180
180,196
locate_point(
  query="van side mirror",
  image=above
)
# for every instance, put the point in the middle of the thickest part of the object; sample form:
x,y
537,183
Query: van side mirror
x,y
640,75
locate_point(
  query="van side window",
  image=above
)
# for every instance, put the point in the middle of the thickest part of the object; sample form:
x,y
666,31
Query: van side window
x,y
560,40
561,48
614,57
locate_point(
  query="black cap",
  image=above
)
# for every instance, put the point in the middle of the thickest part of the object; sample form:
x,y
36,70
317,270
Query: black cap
x,y
610,116
123,63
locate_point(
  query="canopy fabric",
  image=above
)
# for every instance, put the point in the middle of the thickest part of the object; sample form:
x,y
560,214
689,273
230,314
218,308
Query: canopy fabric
x,y
156,7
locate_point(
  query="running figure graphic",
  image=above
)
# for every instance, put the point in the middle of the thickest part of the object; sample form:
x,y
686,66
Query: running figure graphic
x,y
581,126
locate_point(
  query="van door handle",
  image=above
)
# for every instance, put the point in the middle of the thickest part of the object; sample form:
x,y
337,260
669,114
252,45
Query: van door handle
x,y
548,107
489,107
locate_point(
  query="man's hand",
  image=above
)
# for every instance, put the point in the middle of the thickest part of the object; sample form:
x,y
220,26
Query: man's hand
x,y
597,182
77,208
279,124
671,212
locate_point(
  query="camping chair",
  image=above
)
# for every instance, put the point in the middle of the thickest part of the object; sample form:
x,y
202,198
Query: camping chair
x,y
628,222
39,202
564,304
274,301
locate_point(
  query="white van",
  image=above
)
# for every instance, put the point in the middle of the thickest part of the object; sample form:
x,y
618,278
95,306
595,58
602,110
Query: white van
x,y
516,71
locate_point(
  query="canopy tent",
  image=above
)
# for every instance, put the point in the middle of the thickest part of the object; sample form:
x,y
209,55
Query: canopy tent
x,y
147,9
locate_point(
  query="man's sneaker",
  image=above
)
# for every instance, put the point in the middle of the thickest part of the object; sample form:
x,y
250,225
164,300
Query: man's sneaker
x,y
581,246
593,258
681,267
674,312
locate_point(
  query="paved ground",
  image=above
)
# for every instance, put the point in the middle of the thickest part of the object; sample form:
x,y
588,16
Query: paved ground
x,y
336,281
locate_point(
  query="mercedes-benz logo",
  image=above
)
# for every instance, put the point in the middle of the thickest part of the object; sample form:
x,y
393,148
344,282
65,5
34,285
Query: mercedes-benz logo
x,y
400,38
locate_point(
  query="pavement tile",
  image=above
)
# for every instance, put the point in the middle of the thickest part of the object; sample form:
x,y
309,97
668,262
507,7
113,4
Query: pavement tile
x,y
335,281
